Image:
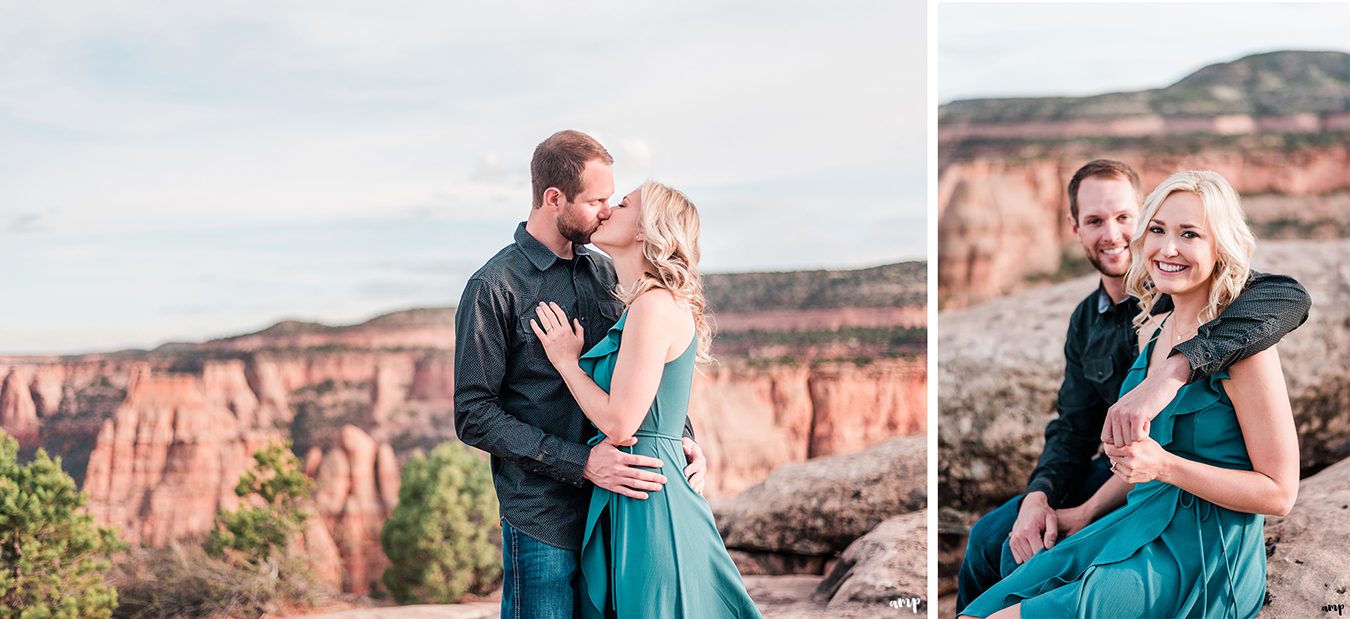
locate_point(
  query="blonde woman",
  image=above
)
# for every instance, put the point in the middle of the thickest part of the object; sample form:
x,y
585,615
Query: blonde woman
x,y
659,557
1189,539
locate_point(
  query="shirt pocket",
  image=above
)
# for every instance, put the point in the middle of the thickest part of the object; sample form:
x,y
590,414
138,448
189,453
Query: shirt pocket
x,y
1099,371
527,332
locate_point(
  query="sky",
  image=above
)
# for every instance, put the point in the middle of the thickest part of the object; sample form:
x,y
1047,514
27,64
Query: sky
x,y
182,171
1040,49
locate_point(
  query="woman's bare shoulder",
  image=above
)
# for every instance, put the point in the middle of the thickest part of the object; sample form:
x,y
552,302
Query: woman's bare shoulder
x,y
658,306
1264,365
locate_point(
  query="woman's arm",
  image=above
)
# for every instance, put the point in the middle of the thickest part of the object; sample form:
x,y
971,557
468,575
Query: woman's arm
x,y
1256,387
647,339
1108,497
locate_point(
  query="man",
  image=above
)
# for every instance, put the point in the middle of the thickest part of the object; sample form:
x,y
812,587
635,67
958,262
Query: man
x,y
511,403
1104,203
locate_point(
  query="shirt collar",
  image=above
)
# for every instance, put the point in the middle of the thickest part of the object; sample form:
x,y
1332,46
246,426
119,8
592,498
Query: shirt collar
x,y
1104,303
540,256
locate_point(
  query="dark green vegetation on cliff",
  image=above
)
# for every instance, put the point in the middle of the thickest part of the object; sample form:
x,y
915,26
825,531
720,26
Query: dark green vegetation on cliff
x,y
893,285
1269,84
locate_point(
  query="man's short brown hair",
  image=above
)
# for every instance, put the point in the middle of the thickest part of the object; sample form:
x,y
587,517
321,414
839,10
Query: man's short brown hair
x,y
1105,168
559,160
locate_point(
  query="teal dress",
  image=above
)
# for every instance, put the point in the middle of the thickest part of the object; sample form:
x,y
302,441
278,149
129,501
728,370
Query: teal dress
x,y
662,556
1166,552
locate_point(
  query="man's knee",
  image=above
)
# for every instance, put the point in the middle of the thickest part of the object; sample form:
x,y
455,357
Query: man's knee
x,y
989,534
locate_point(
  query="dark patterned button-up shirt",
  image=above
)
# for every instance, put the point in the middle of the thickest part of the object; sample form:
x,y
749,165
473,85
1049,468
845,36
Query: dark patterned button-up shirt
x,y
511,402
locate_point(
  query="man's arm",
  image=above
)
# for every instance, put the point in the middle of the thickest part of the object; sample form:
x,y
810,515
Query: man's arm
x,y
1070,438
1269,308
481,323
1070,442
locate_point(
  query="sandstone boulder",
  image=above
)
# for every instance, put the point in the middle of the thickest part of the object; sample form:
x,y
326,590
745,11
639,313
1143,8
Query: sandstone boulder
x,y
820,506
1309,550
887,566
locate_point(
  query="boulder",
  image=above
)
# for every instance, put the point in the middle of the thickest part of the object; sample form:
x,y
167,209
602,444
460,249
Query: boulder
x,y
1309,550
888,566
820,506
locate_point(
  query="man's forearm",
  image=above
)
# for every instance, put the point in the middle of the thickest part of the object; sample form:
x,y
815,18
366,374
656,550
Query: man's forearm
x,y
1061,467
486,426
1270,308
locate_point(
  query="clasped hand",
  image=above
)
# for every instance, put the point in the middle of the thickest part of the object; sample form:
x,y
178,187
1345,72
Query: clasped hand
x,y
562,343
1141,461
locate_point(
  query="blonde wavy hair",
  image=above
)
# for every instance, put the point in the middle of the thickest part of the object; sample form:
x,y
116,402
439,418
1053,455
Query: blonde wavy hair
x,y
670,225
1227,225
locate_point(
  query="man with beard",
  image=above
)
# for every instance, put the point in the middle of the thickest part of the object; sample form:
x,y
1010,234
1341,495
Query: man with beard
x,y
1104,202
512,403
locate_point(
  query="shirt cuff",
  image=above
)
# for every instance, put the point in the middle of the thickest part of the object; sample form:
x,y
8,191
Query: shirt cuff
x,y
1041,484
571,462
1199,357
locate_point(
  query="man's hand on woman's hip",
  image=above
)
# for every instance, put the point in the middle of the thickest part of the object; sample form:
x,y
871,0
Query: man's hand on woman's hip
x,y
697,470
621,472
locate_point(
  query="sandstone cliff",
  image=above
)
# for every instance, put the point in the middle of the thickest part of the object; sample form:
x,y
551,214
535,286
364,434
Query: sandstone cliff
x,y
1002,219
159,438
1276,125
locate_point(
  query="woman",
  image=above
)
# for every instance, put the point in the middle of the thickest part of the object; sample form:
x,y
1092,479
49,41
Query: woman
x,y
1224,453
660,556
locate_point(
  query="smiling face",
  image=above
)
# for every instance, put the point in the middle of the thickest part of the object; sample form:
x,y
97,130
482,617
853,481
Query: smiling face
x,y
1107,211
621,229
581,216
1179,250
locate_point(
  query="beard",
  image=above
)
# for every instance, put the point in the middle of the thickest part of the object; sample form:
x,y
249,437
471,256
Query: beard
x,y
1104,269
574,228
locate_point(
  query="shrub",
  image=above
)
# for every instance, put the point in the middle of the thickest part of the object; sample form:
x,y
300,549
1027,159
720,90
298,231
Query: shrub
x,y
258,534
443,540
52,557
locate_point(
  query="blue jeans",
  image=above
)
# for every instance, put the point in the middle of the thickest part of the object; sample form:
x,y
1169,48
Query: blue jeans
x,y
988,558
537,580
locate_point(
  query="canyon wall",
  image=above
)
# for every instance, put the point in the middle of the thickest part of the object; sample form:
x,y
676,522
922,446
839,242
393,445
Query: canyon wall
x,y
1003,217
159,439
1275,124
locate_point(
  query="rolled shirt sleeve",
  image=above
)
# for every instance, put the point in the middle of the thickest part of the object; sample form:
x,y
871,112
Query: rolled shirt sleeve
x,y
1269,308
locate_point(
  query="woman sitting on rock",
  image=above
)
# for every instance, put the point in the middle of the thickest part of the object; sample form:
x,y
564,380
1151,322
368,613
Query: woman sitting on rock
x,y
1189,539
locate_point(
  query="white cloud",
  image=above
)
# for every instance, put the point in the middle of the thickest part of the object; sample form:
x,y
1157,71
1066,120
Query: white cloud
x,y
391,132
